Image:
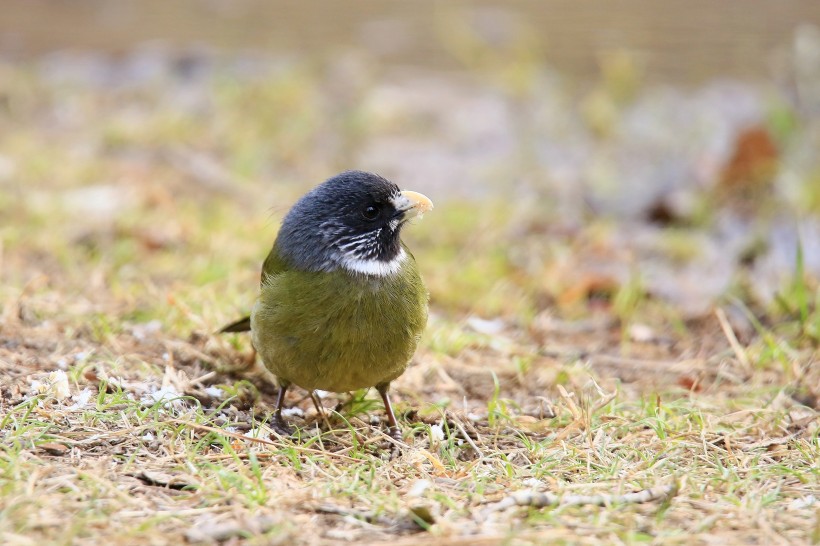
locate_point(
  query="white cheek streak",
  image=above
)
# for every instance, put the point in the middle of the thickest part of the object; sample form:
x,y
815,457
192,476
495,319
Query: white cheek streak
x,y
375,267
368,239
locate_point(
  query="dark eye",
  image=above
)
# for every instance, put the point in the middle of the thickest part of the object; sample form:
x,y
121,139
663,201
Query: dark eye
x,y
371,212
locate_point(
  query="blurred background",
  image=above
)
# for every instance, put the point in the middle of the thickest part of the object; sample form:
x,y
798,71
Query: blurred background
x,y
623,263
627,157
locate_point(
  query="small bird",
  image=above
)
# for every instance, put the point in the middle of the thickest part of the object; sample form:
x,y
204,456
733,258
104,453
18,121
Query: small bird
x,y
342,305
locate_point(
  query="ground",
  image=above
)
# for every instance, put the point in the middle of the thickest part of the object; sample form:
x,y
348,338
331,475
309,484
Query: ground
x,y
595,350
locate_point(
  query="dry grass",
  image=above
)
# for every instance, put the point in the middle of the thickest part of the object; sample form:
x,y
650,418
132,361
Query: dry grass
x,y
607,392
122,469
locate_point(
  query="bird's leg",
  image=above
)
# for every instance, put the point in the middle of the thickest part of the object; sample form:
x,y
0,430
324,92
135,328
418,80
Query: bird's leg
x,y
277,422
394,431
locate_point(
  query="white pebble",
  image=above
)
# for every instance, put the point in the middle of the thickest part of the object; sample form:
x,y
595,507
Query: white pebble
x,y
290,412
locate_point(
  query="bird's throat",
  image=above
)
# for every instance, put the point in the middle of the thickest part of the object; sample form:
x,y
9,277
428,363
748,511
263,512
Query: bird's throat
x,y
374,267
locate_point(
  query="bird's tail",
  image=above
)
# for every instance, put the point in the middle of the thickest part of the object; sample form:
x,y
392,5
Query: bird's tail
x,y
241,325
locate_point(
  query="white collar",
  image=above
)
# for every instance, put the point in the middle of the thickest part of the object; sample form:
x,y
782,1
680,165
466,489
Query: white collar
x,y
376,268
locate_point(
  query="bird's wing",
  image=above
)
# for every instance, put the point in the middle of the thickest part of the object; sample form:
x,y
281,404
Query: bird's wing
x,y
241,325
273,265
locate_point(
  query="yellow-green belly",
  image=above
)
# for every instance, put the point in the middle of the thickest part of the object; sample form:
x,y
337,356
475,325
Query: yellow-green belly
x,y
339,331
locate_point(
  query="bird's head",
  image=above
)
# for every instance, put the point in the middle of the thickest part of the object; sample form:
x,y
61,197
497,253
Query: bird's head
x,y
351,221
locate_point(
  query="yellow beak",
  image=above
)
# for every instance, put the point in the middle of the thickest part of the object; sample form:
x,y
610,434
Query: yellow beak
x,y
414,203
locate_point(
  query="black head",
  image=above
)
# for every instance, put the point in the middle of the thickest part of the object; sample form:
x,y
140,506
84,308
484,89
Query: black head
x,y
350,221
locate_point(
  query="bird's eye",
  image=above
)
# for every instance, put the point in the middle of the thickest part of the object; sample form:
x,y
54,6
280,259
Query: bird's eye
x,y
371,212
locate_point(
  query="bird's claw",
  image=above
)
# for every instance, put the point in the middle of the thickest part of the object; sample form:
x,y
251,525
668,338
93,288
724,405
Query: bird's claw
x,y
280,426
393,447
395,433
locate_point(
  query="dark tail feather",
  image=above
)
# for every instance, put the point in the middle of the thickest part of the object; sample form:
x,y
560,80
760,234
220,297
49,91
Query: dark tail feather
x,y
241,325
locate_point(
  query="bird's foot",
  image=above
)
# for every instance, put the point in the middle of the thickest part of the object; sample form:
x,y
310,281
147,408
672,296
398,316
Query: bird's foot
x,y
395,433
280,426
393,447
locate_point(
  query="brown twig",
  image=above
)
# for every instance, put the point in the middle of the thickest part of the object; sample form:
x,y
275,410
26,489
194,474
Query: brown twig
x,y
535,499
741,355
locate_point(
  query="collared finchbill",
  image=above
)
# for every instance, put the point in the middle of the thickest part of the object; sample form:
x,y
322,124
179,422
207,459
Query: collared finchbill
x,y
413,203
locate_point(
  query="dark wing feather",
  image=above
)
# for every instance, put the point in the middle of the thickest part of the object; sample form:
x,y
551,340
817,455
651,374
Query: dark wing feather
x,y
273,265
241,325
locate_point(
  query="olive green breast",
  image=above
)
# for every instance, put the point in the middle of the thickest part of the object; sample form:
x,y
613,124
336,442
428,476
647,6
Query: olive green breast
x,y
338,331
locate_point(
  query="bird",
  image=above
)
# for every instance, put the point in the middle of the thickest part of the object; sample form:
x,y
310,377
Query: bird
x,y
342,305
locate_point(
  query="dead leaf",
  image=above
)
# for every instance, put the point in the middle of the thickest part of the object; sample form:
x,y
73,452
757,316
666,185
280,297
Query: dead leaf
x,y
752,163
423,515
53,448
162,479
594,289
533,424
222,531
